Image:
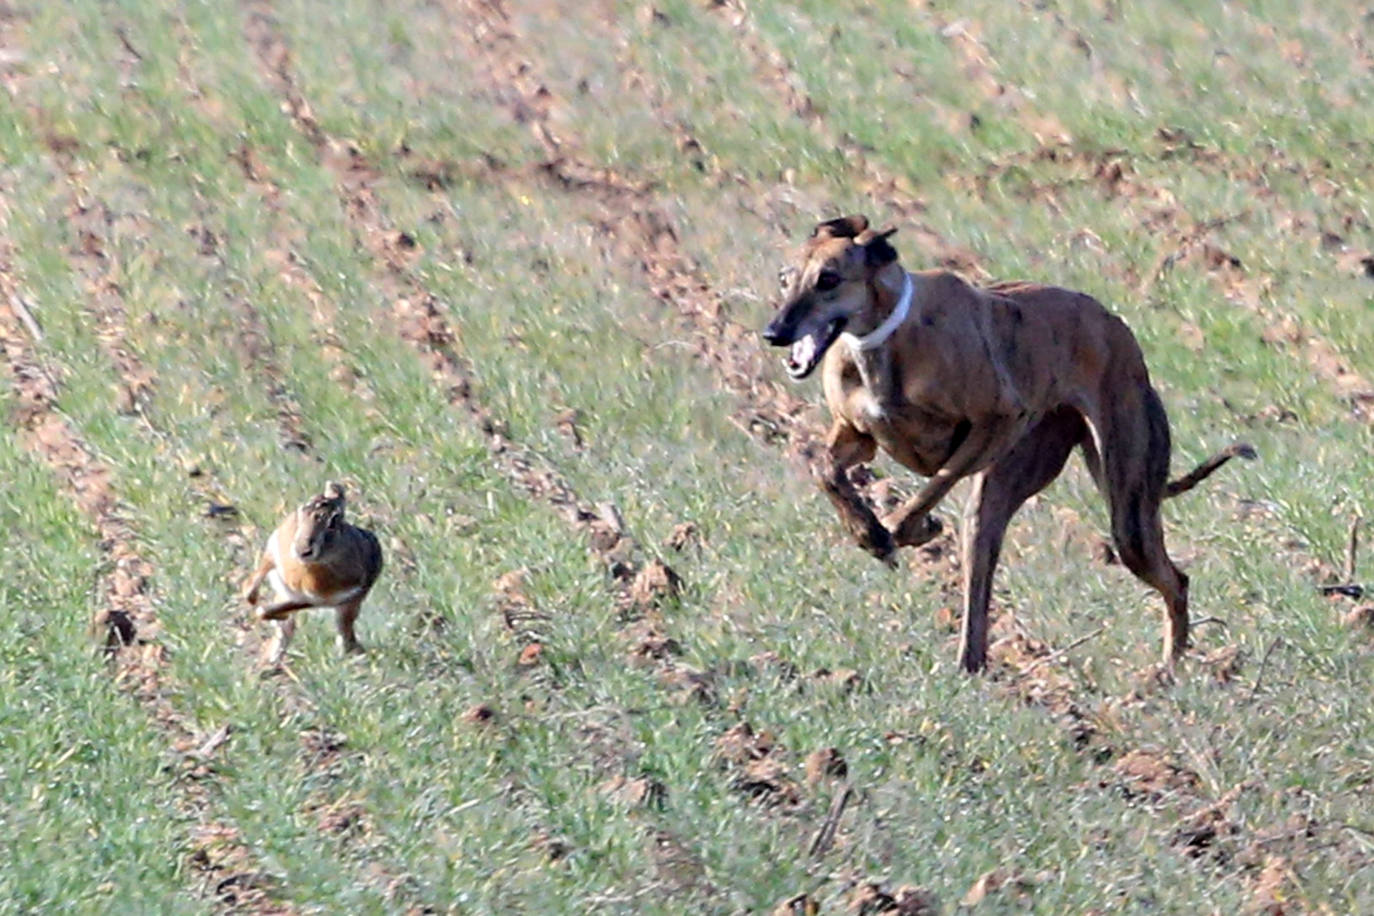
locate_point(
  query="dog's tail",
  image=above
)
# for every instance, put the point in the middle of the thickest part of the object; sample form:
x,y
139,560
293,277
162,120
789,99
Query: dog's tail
x,y
1200,473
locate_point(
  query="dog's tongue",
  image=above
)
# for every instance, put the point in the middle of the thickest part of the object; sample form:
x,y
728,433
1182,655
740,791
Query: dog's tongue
x,y
802,352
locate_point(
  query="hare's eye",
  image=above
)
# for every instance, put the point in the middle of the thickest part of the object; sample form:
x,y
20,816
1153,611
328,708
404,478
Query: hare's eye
x,y
827,281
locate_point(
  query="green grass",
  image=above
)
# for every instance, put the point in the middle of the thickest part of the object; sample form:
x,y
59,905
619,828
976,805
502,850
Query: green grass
x,y
87,799
953,776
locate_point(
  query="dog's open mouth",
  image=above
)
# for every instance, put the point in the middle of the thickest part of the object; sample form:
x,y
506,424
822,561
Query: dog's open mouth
x,y
806,351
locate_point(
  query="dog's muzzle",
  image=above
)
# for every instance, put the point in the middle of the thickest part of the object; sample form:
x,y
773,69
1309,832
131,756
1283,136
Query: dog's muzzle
x,y
806,349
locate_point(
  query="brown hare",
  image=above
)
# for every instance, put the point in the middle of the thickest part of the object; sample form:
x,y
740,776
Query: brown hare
x,y
315,559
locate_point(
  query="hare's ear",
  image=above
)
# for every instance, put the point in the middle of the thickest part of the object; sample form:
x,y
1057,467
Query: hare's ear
x,y
844,227
878,251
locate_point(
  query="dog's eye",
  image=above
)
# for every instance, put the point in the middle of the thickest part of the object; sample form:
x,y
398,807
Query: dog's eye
x,y
827,281
785,275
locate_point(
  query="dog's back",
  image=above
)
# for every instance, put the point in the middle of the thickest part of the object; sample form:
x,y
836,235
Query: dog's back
x,y
1058,341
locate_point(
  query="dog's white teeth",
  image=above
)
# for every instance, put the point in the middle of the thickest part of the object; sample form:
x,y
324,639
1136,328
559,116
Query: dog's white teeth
x,y
803,351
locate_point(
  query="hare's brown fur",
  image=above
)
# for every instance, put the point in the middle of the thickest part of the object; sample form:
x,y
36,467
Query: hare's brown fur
x,y
315,558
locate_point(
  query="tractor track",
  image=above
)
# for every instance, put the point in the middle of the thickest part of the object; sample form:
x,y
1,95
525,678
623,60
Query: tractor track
x,y
126,621
635,229
640,583
1260,861
126,618
419,317
219,853
731,351
1188,238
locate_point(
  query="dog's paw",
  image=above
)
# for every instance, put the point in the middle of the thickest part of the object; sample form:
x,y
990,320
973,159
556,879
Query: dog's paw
x,y
878,542
917,530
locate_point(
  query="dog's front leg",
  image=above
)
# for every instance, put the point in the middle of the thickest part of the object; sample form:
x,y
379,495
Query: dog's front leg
x,y
845,448
911,523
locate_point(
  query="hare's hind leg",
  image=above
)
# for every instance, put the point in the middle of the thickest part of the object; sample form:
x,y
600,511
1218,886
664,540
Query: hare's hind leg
x,y
286,629
345,615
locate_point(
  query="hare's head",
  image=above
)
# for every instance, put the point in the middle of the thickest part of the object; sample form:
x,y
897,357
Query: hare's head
x,y
318,522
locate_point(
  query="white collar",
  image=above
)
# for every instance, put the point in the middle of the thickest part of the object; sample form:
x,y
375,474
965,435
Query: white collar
x,y
878,336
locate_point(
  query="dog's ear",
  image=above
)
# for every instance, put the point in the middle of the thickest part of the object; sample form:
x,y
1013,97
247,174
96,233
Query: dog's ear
x,y
878,251
844,227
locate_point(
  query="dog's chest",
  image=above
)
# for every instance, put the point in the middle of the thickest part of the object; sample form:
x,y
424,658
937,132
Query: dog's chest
x,y
912,433
915,438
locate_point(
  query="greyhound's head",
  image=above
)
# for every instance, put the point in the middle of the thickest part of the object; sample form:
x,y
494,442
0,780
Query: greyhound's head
x,y
318,522
832,288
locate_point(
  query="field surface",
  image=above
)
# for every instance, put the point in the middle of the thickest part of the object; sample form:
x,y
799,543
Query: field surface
x,y
500,268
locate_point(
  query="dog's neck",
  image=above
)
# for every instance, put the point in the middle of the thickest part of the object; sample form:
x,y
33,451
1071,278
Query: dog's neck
x,y
879,335
870,356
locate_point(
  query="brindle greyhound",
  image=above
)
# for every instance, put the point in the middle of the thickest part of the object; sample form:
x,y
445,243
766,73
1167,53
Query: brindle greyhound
x,y
998,383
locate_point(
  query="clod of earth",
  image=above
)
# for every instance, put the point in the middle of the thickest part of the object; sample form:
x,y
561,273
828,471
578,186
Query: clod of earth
x,y
1272,894
1005,881
872,899
683,535
655,583
348,819
1223,663
567,423
768,781
826,763
690,684
1153,774
847,679
770,662
642,791
741,744
1361,619
799,905
648,644
118,626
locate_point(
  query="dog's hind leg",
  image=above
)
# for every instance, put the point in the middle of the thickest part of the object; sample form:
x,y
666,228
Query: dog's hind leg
x,y
1135,468
998,492
1139,535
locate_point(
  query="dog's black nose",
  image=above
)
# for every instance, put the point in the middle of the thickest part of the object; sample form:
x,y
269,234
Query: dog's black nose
x,y
775,334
